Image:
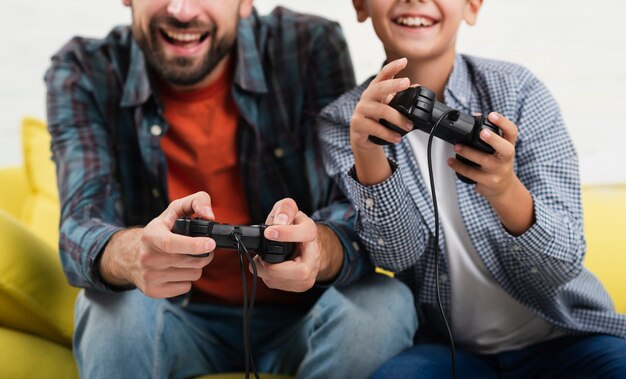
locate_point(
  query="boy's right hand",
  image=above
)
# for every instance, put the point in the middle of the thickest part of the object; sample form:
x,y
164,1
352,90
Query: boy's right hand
x,y
155,260
370,160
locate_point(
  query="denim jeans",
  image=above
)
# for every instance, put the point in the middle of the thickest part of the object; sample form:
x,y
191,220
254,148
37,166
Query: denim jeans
x,y
347,333
573,357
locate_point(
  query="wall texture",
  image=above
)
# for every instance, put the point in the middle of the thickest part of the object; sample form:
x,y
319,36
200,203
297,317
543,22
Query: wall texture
x,y
575,47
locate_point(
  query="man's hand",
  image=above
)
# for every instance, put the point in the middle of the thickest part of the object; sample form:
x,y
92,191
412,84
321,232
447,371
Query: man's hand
x,y
158,262
318,254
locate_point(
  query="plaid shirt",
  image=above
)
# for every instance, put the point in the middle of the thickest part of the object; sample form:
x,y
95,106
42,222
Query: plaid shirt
x,y
106,122
542,268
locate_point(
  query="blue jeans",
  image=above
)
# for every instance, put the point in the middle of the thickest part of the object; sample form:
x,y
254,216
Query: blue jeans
x,y
348,333
597,356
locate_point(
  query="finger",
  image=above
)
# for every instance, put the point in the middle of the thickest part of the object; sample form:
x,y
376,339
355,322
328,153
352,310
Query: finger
x,y
502,146
302,230
390,70
376,111
369,127
162,239
509,129
380,91
477,156
292,270
283,212
198,203
470,172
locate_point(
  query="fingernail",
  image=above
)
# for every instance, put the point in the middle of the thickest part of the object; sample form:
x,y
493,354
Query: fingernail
x,y
271,233
208,212
405,82
493,116
450,161
208,245
409,126
486,133
457,148
281,219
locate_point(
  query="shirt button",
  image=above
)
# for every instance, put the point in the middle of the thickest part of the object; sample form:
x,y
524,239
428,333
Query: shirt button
x,y
156,130
443,278
381,242
355,246
369,202
516,248
156,193
533,270
279,153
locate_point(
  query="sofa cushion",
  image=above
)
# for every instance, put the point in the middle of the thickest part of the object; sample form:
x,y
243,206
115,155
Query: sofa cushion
x,y
34,295
40,211
26,356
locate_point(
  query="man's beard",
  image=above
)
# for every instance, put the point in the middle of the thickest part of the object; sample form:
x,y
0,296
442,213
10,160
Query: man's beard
x,y
180,71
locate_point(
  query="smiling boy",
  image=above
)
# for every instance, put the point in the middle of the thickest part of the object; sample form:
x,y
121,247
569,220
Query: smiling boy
x,y
519,302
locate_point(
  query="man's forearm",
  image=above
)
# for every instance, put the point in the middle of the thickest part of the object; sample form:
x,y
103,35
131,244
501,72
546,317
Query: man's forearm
x,y
115,262
331,254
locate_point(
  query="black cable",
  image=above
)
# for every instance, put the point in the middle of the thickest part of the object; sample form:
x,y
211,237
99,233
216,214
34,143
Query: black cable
x,y
447,114
247,307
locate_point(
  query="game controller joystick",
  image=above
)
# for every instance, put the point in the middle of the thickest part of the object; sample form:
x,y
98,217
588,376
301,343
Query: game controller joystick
x,y
420,105
225,237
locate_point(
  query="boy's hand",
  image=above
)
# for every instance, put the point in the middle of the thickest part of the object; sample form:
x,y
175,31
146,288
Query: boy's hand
x,y
495,174
300,272
495,178
370,161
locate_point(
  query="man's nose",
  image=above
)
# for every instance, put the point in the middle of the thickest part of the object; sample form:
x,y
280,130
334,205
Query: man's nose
x,y
183,10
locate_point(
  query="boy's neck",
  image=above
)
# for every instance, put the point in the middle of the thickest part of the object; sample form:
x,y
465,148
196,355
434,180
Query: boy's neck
x,y
431,73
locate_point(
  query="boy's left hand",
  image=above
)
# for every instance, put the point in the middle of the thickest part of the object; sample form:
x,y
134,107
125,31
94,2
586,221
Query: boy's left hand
x,y
495,176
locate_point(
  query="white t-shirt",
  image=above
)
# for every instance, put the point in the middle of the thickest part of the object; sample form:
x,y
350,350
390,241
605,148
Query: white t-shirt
x,y
485,319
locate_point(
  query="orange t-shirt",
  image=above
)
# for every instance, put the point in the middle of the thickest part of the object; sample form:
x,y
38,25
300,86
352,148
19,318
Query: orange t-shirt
x,y
200,147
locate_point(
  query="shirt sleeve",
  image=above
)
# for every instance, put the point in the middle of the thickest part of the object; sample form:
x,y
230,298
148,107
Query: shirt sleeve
x,y
91,208
547,163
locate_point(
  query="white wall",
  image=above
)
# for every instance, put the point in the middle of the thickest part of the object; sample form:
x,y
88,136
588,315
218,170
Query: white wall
x,y
576,47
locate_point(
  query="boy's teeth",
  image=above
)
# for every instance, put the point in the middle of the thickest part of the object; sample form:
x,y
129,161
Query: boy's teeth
x,y
414,21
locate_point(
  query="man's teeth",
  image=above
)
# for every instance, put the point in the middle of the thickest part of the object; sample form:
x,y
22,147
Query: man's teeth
x,y
184,37
414,21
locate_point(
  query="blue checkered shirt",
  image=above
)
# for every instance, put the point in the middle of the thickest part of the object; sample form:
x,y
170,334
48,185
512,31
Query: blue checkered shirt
x,y
106,122
542,268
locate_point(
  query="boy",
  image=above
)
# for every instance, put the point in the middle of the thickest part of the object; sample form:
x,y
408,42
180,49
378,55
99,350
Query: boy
x,y
519,302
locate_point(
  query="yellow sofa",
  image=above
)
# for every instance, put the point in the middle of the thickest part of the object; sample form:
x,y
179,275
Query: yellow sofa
x,y
36,304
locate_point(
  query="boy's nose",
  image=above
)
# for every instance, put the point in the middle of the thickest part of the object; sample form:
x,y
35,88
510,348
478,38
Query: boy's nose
x,y
183,10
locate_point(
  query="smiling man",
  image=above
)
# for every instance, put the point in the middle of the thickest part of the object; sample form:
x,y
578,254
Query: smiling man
x,y
205,108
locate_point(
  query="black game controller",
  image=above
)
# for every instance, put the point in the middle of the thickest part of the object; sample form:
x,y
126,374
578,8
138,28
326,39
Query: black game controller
x,y
420,105
224,235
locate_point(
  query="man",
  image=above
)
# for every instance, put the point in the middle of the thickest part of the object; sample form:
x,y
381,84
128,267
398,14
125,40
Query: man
x,y
208,98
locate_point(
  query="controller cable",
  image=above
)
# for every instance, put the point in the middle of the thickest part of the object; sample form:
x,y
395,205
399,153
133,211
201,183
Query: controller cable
x,y
247,306
452,115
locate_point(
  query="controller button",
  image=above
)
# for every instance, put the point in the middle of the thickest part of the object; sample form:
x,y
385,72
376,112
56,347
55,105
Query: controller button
x,y
369,203
156,130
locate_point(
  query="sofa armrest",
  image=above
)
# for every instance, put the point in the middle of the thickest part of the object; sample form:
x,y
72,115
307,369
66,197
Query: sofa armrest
x,y
14,190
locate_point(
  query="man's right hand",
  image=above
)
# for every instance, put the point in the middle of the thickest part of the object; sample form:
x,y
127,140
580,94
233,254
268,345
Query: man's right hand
x,y
155,260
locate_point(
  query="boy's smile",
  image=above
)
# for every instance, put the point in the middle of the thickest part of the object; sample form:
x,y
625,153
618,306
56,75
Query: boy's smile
x,y
418,30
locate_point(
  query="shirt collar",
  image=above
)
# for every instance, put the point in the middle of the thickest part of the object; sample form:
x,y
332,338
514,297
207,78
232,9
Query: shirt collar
x,y
249,73
459,85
